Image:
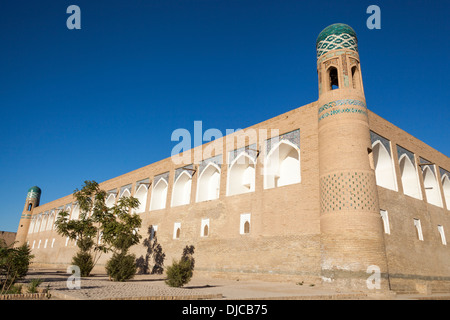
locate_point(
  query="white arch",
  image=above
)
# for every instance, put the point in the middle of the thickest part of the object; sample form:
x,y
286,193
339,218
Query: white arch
x,y
32,224
75,212
410,181
384,168
446,188
51,220
282,165
159,195
141,195
431,187
181,193
125,193
111,200
241,175
38,223
44,222
208,185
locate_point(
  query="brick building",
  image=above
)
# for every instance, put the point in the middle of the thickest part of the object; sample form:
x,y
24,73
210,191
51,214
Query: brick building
x,y
328,192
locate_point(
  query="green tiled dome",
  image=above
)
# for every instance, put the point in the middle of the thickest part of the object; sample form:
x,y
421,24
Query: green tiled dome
x,y
336,36
335,29
34,192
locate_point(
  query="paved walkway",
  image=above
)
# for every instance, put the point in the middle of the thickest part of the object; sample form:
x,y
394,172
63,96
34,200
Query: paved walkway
x,y
153,287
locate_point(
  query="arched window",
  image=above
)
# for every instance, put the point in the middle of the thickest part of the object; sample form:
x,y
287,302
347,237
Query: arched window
x,y
141,195
241,175
356,78
51,220
431,187
209,183
333,78
38,222
282,165
181,194
32,224
30,206
205,231
125,193
410,181
75,212
111,200
159,195
247,227
446,187
176,230
384,169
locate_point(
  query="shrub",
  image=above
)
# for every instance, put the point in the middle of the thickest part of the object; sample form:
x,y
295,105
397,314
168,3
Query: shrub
x,y
121,267
179,273
84,261
14,263
34,284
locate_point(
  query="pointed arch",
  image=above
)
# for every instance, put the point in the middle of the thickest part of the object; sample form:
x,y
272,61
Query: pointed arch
x,y
181,193
111,200
38,223
51,220
141,195
410,180
125,193
384,168
159,195
282,165
32,224
241,175
431,187
208,185
75,212
446,188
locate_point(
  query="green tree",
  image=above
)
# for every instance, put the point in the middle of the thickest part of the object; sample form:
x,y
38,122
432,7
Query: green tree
x,y
87,228
181,272
120,232
14,264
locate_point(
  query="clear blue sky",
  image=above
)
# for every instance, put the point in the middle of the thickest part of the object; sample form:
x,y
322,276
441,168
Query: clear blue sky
x,y
95,103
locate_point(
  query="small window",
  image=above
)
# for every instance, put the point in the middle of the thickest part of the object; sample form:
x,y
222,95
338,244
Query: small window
x,y
176,230
385,218
204,228
153,231
442,233
53,242
356,78
30,206
245,223
333,78
418,229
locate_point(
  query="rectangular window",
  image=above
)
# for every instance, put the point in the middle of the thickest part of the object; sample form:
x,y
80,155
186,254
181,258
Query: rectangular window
x,y
385,218
53,242
45,244
153,232
418,229
442,233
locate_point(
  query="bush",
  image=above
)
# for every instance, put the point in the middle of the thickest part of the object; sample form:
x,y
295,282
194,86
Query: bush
x,y
14,263
121,267
85,262
179,273
34,284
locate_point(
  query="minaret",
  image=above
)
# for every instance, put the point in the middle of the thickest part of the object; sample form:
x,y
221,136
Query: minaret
x,y
351,229
32,201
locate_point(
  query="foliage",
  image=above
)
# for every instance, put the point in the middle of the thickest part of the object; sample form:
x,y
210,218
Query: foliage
x,y
99,228
121,267
84,261
180,272
34,284
14,264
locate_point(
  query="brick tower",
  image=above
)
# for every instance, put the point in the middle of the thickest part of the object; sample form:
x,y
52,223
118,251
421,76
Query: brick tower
x,y
351,229
32,201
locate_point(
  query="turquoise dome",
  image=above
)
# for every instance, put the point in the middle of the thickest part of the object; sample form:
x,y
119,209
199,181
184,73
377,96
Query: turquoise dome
x,y
336,29
336,36
34,192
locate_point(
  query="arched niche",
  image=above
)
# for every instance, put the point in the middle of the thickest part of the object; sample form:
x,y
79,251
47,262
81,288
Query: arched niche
x,y
181,193
159,195
282,165
208,185
446,188
241,175
141,195
410,181
110,200
384,167
431,187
